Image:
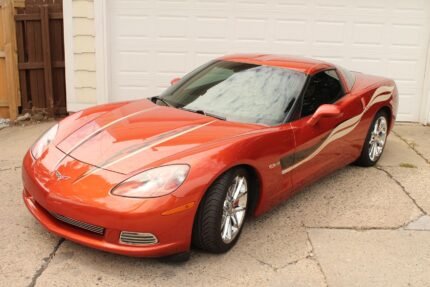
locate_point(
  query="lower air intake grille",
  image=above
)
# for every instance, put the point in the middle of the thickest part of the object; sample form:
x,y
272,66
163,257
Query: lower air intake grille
x,y
86,226
137,238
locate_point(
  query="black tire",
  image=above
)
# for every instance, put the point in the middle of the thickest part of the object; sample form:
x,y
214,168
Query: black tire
x,y
208,221
365,159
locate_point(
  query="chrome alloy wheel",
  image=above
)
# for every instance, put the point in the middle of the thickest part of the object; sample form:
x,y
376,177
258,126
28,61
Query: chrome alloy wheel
x,y
378,138
234,209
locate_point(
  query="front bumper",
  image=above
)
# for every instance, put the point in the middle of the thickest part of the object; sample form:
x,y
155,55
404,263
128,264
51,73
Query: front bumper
x,y
173,231
108,242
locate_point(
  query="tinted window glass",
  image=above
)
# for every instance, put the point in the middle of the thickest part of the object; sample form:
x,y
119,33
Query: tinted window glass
x,y
240,92
324,88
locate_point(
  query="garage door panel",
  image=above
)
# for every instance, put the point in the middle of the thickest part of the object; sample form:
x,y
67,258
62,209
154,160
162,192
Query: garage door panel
x,y
402,69
367,33
290,3
404,52
163,79
367,52
169,45
172,62
367,64
134,93
134,26
408,106
250,28
211,27
248,46
164,39
371,4
414,5
327,51
291,30
133,61
211,46
133,44
134,79
289,47
407,35
329,32
407,88
171,26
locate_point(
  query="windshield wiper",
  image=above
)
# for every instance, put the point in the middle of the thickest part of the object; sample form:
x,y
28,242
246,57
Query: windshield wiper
x,y
158,98
202,112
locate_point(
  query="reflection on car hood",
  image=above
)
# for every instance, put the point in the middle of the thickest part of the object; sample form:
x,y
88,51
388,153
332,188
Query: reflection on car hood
x,y
136,134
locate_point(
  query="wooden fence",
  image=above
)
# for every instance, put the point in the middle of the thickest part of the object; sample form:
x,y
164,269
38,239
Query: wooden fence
x,y
39,31
9,87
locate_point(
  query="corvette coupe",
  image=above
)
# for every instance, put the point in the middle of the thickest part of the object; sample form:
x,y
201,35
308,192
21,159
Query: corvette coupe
x,y
231,139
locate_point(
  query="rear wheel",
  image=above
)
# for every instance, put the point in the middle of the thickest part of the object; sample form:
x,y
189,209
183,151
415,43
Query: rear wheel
x,y
222,212
375,140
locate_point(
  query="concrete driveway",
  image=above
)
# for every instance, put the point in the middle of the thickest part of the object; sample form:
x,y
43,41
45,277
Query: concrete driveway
x,y
357,227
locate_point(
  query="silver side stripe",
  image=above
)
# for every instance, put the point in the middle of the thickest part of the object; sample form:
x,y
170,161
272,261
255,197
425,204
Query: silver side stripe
x,y
105,166
381,94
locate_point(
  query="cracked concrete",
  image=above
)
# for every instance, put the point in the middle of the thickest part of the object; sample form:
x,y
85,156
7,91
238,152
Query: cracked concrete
x,y
45,263
305,272
402,187
416,184
373,258
288,235
350,198
24,242
420,144
357,227
398,152
316,261
76,265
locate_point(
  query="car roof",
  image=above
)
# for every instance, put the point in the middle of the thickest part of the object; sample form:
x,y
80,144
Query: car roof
x,y
301,64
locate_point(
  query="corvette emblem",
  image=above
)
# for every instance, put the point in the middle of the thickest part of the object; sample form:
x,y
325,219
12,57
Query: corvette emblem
x,y
60,176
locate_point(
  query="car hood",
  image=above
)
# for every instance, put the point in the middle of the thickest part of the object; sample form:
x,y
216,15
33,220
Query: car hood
x,y
139,133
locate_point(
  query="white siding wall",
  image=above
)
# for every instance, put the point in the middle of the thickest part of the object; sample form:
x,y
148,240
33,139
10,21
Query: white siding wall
x,y
81,92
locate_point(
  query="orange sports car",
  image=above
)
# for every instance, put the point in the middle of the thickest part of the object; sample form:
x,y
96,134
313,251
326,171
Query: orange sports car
x,y
233,138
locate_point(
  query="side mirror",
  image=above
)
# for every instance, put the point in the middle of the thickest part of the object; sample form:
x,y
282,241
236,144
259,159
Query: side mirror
x,y
174,81
324,111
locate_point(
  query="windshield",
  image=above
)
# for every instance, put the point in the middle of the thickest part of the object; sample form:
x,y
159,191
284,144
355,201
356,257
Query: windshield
x,y
239,92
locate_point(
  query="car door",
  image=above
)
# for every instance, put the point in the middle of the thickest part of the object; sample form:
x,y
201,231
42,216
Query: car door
x,y
320,149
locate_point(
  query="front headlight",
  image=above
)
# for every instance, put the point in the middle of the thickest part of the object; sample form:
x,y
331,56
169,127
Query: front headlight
x,y
42,143
155,182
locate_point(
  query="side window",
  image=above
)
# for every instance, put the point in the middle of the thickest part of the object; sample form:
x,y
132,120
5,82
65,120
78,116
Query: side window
x,y
324,88
349,77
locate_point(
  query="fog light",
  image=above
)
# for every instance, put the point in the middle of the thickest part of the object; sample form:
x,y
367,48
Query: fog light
x,y
137,238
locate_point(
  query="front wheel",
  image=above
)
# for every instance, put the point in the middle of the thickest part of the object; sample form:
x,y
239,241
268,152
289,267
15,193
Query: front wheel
x,y
222,212
375,140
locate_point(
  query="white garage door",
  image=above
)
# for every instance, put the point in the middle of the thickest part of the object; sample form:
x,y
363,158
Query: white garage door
x,y
152,42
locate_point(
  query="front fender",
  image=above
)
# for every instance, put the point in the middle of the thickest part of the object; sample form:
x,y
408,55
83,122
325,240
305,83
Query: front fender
x,y
250,150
